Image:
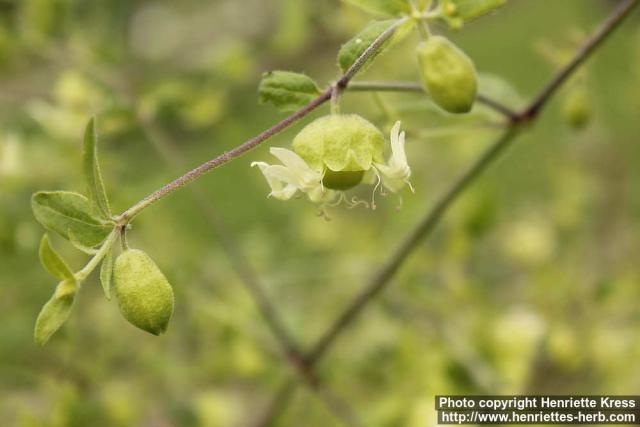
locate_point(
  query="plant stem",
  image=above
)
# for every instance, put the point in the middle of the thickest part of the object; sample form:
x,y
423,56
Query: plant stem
x,y
622,10
381,280
102,252
400,86
193,174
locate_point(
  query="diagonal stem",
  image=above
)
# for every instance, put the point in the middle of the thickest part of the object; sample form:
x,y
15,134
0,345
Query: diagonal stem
x,y
209,165
622,10
403,86
251,281
382,279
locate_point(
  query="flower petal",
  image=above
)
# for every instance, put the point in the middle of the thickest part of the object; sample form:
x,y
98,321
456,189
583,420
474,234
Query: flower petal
x,y
293,161
396,172
277,176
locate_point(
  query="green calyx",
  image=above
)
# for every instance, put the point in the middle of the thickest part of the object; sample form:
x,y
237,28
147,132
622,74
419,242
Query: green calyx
x,y
341,180
144,295
447,74
340,143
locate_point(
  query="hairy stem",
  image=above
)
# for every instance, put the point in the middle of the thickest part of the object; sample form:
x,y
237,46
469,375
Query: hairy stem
x,y
399,86
193,174
102,252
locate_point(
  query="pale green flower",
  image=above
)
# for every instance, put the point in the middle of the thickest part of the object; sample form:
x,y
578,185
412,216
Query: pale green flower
x,y
335,154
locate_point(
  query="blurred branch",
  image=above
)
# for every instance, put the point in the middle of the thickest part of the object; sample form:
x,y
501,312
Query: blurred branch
x,y
382,278
623,10
278,404
248,277
432,218
243,269
396,86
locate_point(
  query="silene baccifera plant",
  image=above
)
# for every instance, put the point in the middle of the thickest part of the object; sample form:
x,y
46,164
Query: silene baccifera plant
x,y
328,157
142,292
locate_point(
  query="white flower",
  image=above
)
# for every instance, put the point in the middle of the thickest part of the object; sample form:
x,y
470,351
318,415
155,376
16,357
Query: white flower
x,y
296,175
396,173
292,176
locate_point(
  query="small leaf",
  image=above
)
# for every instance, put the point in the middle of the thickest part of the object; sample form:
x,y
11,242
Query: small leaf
x,y
286,90
471,9
92,175
106,273
354,48
382,7
55,312
65,212
52,262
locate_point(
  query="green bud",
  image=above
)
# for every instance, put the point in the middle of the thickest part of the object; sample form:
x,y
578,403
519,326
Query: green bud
x,y
447,74
340,142
144,294
576,111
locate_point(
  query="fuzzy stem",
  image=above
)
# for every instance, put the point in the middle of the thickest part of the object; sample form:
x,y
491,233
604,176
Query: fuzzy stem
x,y
102,252
196,173
401,86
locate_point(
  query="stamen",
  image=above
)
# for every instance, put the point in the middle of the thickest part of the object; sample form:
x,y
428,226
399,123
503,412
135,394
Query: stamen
x,y
355,202
373,195
323,213
339,200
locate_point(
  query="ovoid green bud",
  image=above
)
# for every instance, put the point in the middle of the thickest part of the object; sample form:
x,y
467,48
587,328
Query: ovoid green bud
x,y
576,110
342,146
447,74
144,294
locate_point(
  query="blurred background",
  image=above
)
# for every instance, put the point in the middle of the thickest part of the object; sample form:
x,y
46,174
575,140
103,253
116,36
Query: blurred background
x,y
530,284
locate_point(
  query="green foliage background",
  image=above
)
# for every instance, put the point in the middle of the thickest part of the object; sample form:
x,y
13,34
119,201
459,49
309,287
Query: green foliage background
x,y
530,285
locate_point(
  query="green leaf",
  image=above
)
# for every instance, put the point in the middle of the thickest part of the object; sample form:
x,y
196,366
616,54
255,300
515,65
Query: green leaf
x,y
382,7
65,212
354,48
52,262
471,9
92,175
106,273
55,312
286,90
79,246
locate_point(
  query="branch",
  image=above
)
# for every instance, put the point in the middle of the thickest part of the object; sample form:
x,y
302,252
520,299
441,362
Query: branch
x,y
251,281
193,174
384,86
279,403
381,280
614,20
238,260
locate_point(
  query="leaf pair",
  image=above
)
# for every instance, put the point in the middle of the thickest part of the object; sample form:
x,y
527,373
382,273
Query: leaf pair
x,y
289,91
56,311
85,222
79,219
